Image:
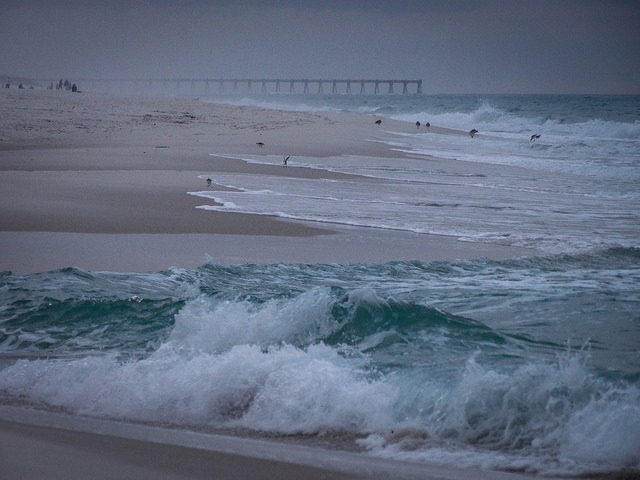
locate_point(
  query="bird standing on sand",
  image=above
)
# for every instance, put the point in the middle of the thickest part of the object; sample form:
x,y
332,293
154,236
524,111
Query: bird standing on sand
x,y
378,122
534,137
208,182
473,132
285,160
427,124
260,144
418,124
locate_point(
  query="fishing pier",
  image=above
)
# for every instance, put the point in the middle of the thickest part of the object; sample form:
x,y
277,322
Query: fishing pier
x,y
253,86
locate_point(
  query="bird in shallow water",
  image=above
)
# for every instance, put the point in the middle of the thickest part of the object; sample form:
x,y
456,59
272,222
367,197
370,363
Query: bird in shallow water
x,y
473,132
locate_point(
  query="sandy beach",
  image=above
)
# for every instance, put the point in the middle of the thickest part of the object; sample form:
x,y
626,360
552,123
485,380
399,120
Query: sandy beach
x,y
102,183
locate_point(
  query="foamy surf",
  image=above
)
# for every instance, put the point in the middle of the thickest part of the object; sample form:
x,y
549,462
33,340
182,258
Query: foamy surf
x,y
573,188
510,365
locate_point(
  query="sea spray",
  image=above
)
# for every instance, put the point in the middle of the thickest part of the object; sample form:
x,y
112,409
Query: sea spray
x,y
215,326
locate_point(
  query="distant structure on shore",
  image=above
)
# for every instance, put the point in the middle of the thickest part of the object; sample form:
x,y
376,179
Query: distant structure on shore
x,y
40,83
249,85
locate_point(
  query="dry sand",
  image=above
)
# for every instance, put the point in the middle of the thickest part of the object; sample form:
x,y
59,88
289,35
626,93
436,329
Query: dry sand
x,y
100,182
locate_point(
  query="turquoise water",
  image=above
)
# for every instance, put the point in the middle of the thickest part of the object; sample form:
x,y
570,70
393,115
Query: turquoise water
x,y
530,364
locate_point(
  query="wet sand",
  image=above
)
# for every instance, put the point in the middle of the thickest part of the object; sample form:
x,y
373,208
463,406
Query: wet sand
x,y
39,445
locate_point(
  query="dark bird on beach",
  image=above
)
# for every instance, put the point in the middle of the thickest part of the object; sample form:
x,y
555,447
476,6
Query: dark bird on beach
x,y
473,132
534,137
427,124
260,144
418,124
285,160
378,122
208,182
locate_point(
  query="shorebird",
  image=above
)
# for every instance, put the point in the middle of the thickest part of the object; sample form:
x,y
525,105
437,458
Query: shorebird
x,y
260,144
378,122
208,182
534,137
427,124
285,160
418,124
473,132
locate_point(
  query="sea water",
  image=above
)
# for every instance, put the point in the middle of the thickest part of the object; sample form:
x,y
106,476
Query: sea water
x,y
575,187
530,364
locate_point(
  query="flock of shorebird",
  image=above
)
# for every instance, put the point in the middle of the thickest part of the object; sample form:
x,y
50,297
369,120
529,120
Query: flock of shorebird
x,y
472,132
378,122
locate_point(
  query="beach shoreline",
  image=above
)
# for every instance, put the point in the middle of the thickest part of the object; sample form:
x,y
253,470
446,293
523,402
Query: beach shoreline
x,y
102,182
34,252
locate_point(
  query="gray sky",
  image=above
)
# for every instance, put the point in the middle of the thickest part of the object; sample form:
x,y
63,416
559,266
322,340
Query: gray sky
x,y
455,46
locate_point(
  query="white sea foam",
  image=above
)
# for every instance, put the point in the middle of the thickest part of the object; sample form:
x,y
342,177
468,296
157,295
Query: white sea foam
x,y
523,206
215,327
574,188
228,364
361,351
542,418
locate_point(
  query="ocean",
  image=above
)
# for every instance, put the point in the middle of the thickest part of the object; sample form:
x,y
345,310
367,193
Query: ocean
x,y
529,364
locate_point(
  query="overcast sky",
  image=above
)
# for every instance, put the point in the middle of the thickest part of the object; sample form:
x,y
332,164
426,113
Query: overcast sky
x,y
456,46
